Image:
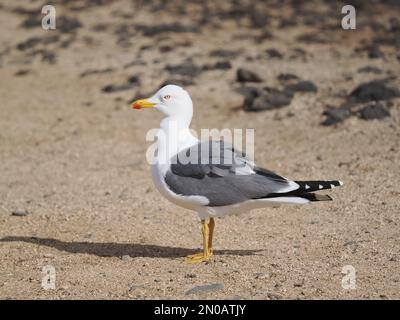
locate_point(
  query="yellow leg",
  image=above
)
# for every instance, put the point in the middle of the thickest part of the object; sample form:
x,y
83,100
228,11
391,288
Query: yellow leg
x,y
207,230
211,226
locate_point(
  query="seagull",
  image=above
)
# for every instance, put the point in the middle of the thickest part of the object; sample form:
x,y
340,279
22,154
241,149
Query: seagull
x,y
211,177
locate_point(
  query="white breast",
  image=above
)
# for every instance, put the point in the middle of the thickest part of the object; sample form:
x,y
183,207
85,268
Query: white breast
x,y
170,141
189,202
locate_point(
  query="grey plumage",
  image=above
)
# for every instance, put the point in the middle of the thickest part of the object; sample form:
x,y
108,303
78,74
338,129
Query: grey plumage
x,y
223,175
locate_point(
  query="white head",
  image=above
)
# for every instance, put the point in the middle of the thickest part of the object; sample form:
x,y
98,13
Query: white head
x,y
171,100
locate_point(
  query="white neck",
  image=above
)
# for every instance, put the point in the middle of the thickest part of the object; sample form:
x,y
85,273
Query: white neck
x,y
174,136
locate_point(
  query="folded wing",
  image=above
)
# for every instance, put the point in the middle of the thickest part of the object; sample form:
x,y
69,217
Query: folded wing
x,y
225,176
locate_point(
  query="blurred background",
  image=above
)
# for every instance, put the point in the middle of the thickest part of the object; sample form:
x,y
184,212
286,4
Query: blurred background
x,y
76,191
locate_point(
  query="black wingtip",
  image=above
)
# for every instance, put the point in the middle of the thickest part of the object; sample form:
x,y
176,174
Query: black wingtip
x,y
317,185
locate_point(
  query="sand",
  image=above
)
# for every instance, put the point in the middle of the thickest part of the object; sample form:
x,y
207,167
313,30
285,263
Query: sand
x,y
73,156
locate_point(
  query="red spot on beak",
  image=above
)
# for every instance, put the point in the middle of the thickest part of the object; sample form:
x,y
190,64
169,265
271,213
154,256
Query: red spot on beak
x,y
136,106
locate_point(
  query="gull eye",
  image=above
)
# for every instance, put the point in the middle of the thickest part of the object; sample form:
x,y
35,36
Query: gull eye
x,y
166,97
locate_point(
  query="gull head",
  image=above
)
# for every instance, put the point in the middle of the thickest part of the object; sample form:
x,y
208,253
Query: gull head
x,y
171,100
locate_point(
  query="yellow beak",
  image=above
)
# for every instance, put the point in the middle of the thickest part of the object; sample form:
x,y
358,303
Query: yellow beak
x,y
142,103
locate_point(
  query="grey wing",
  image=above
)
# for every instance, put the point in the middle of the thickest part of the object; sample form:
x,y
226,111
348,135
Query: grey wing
x,y
215,170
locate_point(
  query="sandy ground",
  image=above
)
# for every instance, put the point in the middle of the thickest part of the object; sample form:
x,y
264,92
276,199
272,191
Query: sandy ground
x,y
73,156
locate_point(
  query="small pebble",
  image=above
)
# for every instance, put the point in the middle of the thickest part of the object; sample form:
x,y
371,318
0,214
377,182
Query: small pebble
x,y
214,287
20,213
133,287
260,275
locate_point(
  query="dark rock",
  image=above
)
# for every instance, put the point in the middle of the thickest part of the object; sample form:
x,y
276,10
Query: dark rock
x,y
258,19
252,58
374,53
206,288
244,75
186,69
302,86
287,77
237,11
298,53
67,24
118,87
100,27
394,24
335,115
134,80
22,73
146,47
48,56
370,69
266,99
265,35
67,42
287,23
314,20
166,48
24,11
50,39
312,38
184,43
220,65
136,62
375,90
274,53
224,53
33,19
20,213
34,41
375,111
91,72
249,91
388,40
154,30
124,33
29,43
223,65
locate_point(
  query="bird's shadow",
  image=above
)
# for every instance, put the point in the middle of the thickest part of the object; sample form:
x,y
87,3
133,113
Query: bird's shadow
x,y
108,249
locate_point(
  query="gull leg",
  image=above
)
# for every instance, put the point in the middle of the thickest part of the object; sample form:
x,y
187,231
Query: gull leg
x,y
211,226
206,254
